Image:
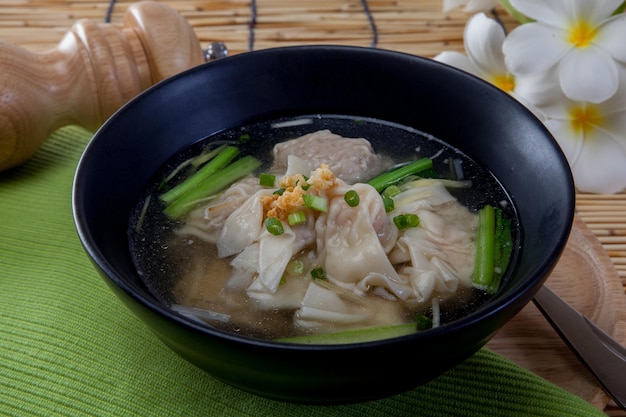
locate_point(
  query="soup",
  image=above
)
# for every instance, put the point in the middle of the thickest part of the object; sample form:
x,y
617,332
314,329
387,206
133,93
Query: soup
x,y
315,243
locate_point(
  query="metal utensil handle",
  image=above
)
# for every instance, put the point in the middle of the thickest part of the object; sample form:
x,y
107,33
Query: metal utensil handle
x,y
603,355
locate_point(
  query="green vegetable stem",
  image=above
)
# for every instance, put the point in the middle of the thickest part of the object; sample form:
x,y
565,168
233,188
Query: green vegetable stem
x,y
366,334
388,178
218,173
220,161
494,245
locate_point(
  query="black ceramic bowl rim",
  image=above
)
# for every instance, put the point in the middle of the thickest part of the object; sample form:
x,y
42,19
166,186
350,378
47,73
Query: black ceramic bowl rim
x,y
117,278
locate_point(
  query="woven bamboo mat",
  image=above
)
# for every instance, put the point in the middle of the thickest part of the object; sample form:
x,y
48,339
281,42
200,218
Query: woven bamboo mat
x,y
413,26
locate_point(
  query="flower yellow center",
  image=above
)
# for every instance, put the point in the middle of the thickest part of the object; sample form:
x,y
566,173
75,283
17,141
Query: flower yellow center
x,y
505,82
582,34
585,118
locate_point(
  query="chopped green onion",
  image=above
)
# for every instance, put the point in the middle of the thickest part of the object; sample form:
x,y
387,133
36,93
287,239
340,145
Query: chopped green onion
x,y
412,220
400,221
404,221
306,185
274,226
244,137
391,191
297,217
352,198
388,178
267,180
280,191
389,204
315,202
319,273
366,334
295,267
212,185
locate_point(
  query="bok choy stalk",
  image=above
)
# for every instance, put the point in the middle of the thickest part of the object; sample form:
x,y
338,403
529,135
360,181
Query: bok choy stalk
x,y
365,334
388,178
494,245
222,159
215,175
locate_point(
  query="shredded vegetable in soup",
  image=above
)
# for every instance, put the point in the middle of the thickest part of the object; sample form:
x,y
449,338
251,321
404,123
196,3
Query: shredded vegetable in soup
x,y
291,231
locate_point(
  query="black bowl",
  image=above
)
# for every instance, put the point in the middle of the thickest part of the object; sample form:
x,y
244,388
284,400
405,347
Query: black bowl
x,y
458,108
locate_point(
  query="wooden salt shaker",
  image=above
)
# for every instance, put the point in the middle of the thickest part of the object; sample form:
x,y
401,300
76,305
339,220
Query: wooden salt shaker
x,y
94,70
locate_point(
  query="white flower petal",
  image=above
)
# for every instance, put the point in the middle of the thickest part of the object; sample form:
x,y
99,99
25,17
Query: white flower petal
x,y
456,59
615,107
614,124
597,11
614,110
532,48
542,90
474,6
617,103
588,74
597,159
601,167
533,109
552,12
483,40
571,143
540,94
554,110
612,35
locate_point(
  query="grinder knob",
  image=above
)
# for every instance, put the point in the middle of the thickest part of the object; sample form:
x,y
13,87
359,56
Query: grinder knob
x,y
94,70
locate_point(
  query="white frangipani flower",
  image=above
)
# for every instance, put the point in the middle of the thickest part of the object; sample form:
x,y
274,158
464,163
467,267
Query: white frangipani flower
x,y
578,37
569,68
471,6
483,39
593,138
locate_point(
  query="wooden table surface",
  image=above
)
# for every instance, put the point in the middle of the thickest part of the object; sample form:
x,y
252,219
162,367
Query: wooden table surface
x,y
418,27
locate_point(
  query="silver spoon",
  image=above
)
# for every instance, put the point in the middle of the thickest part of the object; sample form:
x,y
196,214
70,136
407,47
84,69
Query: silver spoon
x,y
603,355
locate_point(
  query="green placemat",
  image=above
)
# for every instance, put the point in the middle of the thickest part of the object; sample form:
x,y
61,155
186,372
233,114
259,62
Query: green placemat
x,y
68,347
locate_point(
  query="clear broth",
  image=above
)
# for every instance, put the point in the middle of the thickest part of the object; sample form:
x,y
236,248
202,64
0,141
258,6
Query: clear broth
x,y
163,259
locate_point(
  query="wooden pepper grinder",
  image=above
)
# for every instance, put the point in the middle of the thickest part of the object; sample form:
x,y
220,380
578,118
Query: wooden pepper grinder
x,y
94,70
